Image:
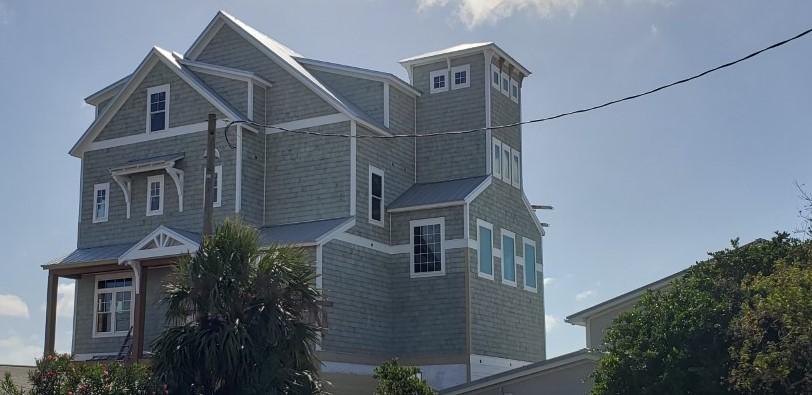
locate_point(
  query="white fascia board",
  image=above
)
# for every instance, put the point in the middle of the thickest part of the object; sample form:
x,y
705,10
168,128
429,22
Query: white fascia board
x,y
426,206
351,71
419,61
479,189
226,72
107,92
307,123
533,214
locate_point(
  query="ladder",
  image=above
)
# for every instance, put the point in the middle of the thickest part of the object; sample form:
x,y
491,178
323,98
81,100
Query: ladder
x,y
126,347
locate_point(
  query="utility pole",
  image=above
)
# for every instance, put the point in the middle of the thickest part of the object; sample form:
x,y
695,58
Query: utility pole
x,y
208,192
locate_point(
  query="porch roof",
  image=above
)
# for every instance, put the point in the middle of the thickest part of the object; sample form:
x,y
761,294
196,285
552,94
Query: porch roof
x,y
437,193
302,233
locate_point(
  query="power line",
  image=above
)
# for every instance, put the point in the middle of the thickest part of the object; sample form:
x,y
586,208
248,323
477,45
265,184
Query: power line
x,y
538,120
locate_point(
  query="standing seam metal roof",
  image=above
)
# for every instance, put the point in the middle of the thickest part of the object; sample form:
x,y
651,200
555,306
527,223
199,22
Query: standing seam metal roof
x,y
437,192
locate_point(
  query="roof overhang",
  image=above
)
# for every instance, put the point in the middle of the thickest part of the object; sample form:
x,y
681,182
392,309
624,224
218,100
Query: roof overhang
x,y
107,92
358,72
462,50
226,72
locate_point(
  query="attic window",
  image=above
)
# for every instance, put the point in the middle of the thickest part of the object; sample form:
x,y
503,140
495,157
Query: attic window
x,y
438,80
157,108
461,76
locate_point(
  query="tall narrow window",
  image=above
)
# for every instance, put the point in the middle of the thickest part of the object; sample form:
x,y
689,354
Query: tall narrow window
x,y
530,279
505,84
516,169
101,202
485,250
157,108
460,76
438,81
428,257
375,196
217,199
508,258
496,166
506,163
113,312
514,90
155,195
495,79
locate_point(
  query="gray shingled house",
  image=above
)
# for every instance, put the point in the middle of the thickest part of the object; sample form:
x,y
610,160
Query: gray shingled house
x,y
427,248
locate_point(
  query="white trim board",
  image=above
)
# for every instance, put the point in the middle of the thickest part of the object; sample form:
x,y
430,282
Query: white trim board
x,y
394,249
352,71
143,137
307,123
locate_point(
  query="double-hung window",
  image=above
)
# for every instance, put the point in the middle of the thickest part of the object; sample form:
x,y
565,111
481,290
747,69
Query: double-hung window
x,y
155,195
485,250
113,305
217,196
530,278
428,257
506,175
157,108
508,258
495,76
376,195
516,168
505,84
438,81
460,76
514,90
101,202
496,166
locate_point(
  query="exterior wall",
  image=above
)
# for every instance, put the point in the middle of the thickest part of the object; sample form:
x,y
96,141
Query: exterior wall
x,y
365,94
289,99
357,284
401,111
235,92
308,177
565,380
83,340
260,110
155,311
396,158
506,321
505,111
431,311
459,109
186,106
119,229
253,177
597,324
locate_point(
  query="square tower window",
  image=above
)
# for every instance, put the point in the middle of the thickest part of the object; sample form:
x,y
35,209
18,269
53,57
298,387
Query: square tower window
x,y
438,81
461,76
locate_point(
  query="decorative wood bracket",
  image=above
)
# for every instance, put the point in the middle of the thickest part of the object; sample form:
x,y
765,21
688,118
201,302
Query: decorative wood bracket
x,y
126,186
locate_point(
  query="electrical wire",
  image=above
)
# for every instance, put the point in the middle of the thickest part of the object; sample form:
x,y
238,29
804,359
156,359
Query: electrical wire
x,y
538,120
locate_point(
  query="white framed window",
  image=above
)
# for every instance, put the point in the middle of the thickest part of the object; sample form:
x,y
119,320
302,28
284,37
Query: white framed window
x,y
496,80
496,166
516,168
506,176
101,202
218,190
508,258
376,193
514,90
505,84
155,195
158,108
112,312
461,76
530,277
438,81
484,238
427,254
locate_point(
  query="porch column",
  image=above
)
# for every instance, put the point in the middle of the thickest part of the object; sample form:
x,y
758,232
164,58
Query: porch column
x,y
50,313
139,310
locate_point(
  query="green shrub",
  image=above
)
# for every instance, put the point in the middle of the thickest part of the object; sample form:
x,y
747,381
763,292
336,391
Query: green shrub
x,y
394,379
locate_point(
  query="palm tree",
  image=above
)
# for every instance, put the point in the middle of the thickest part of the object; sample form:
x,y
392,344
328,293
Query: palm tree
x,y
242,320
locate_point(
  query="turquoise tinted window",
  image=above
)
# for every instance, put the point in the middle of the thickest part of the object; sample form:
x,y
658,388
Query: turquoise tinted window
x,y
485,250
509,258
530,265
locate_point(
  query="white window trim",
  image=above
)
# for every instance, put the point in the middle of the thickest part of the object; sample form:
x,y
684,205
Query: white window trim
x,y
150,91
505,77
150,180
218,172
489,226
96,293
379,172
503,233
435,73
496,170
506,170
514,83
423,222
496,84
516,169
467,69
101,187
532,243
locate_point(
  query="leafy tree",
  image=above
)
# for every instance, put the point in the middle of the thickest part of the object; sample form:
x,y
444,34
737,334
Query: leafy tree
x,y
684,339
246,319
394,379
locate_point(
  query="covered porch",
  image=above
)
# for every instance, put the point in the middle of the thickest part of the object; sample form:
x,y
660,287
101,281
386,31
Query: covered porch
x,y
114,293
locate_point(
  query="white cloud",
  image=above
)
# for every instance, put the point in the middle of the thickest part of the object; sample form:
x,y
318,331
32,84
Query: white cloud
x,y
13,306
64,300
15,351
548,281
476,12
584,295
551,322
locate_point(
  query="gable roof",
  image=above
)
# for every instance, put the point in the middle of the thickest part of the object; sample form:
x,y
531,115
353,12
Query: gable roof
x,y
303,233
437,194
107,92
461,49
284,57
359,72
154,56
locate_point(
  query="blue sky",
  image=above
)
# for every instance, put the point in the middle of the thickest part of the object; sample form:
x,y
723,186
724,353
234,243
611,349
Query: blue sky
x,y
640,190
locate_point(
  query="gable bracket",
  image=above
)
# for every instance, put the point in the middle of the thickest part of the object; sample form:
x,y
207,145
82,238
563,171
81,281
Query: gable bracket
x,y
125,183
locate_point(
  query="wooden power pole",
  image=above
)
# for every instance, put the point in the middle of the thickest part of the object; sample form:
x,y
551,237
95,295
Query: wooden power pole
x,y
208,192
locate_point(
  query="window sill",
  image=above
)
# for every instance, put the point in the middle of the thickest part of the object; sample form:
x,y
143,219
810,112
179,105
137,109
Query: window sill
x,y
429,274
508,282
486,276
111,334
